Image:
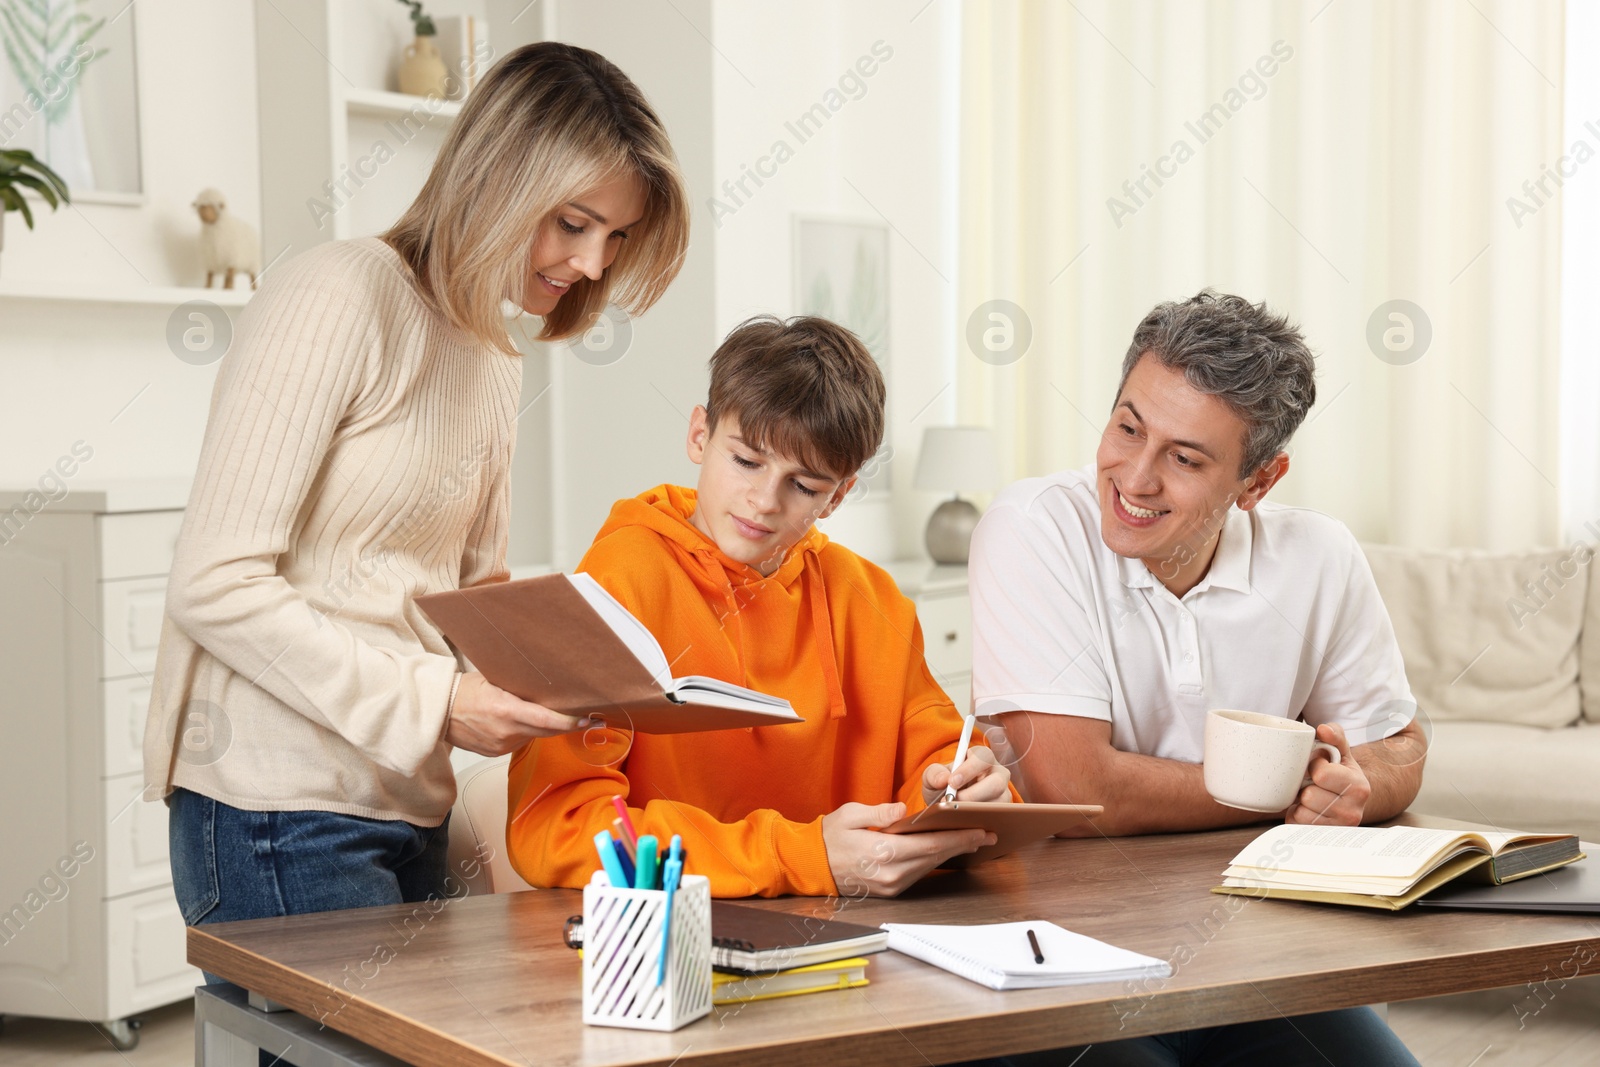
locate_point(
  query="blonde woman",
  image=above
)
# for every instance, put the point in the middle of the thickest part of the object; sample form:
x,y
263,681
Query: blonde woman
x,y
356,456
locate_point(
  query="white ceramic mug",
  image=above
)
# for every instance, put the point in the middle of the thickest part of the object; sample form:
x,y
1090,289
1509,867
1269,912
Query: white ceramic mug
x,y
1258,762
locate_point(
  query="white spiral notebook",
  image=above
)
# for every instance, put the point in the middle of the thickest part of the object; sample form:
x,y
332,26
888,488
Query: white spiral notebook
x,y
1000,956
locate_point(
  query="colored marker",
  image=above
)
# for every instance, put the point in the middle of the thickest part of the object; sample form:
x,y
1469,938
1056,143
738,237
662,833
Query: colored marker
x,y
609,860
623,842
627,867
627,822
671,874
646,863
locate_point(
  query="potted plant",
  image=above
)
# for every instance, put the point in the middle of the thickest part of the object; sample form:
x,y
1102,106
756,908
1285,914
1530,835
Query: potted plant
x,y
422,72
15,164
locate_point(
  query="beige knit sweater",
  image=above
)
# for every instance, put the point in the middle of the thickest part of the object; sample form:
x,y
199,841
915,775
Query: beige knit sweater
x,y
356,455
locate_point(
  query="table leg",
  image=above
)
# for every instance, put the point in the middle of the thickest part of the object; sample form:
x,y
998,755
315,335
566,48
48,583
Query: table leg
x,y
228,1030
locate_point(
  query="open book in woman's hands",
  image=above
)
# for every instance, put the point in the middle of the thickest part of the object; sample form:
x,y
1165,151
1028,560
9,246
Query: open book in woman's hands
x,y
562,641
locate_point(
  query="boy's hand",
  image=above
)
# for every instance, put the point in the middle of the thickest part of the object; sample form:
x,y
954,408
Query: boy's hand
x,y
1338,792
865,862
491,722
980,777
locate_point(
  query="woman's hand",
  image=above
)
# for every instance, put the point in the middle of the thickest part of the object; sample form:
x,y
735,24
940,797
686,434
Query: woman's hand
x,y
491,722
980,777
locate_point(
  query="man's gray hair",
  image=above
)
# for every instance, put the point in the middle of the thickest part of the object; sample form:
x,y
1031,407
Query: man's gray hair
x,y
1252,360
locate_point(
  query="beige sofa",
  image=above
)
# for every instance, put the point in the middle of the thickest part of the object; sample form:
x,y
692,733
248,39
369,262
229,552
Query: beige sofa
x,y
1503,654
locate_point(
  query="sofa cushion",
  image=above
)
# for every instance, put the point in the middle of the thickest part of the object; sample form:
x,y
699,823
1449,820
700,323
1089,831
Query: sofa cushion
x,y
1488,637
1589,646
1514,777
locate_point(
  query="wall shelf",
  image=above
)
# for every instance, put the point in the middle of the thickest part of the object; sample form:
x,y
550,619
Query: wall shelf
x,y
88,292
382,104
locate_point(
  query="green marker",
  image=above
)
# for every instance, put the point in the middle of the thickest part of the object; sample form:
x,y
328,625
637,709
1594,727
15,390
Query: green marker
x,y
649,863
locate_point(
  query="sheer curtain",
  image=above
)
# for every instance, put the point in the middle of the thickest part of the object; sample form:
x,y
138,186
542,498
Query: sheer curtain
x,y
1328,158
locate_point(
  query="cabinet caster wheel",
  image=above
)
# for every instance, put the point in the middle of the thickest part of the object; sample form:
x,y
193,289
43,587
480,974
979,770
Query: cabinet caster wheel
x,y
123,1033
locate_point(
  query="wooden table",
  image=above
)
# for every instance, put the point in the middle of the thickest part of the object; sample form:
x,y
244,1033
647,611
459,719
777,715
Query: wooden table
x,y
487,980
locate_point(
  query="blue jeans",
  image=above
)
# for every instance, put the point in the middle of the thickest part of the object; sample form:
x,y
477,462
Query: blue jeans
x,y
230,864
1353,1037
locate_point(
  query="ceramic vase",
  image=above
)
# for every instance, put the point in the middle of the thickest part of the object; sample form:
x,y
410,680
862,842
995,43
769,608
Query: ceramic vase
x,y
422,71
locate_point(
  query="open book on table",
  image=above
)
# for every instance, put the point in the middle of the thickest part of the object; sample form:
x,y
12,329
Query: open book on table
x,y
1386,866
562,641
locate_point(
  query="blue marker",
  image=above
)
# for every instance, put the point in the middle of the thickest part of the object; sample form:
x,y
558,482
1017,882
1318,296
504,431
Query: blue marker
x,y
671,874
607,847
627,866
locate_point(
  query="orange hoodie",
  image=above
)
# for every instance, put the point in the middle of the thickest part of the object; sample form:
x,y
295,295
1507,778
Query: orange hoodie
x,y
828,631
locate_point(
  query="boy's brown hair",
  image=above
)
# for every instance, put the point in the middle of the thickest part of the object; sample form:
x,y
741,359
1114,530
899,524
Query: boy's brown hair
x,y
806,388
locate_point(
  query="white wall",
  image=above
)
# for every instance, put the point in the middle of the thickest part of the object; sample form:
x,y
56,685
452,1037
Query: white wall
x,y
726,76
887,154
69,367
622,424
197,117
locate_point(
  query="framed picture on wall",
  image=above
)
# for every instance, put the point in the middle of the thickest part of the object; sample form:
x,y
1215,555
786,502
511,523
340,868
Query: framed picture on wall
x,y
841,272
69,93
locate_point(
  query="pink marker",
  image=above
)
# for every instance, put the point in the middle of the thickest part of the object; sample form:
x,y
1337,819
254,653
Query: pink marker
x,y
627,823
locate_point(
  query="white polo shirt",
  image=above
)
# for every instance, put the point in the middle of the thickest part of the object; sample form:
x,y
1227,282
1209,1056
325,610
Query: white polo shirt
x,y
1287,621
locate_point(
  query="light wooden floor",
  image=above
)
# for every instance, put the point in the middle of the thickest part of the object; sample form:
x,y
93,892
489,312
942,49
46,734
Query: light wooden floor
x,y
1558,1024
1497,1028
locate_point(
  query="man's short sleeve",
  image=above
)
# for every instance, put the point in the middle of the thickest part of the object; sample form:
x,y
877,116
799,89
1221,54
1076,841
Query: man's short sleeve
x,y
1361,685
1036,637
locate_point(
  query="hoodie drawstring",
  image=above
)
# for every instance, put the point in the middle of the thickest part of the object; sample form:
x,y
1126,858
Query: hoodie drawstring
x,y
823,632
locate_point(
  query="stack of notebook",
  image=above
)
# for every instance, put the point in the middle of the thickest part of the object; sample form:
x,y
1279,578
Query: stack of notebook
x,y
746,940
765,954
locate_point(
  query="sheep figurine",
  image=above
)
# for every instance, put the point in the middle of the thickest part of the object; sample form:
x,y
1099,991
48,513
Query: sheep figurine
x,y
227,244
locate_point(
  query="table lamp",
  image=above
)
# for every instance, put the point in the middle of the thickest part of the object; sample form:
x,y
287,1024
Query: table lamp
x,y
956,459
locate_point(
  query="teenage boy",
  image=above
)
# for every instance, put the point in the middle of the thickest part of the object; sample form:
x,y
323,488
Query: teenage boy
x,y
1113,606
736,584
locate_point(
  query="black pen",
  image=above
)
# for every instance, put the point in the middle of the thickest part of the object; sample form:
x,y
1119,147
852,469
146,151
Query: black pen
x,y
1038,956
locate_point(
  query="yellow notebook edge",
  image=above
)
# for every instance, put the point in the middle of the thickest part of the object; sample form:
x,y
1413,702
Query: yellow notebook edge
x,y
842,984
836,967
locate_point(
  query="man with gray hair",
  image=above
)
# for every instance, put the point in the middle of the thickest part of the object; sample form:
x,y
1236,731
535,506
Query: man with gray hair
x,y
1114,605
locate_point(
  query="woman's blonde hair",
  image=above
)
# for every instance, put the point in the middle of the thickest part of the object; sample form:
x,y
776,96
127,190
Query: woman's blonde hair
x,y
548,123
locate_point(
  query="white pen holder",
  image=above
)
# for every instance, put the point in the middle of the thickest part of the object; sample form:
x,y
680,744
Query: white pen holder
x,y
622,948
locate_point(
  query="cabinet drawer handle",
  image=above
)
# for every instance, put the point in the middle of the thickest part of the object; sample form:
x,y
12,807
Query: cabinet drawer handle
x,y
951,636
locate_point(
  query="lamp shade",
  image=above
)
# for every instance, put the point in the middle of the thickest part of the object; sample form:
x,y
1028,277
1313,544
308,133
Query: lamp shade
x,y
957,459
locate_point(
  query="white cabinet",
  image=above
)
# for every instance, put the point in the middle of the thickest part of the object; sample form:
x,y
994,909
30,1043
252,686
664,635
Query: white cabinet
x,y
89,928
945,612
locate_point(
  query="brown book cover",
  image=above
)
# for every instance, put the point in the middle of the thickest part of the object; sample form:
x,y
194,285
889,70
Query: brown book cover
x,y
543,640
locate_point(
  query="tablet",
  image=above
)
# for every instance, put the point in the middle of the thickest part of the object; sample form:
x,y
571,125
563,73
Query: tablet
x,y
1013,824
1575,887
